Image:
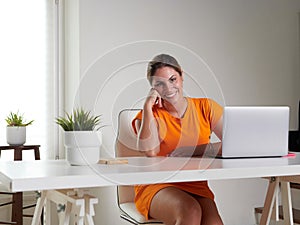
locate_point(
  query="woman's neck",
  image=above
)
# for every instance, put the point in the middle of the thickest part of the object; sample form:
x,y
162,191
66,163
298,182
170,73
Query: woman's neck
x,y
178,109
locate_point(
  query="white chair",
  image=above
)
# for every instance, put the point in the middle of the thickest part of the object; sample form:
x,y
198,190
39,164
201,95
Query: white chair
x,y
125,147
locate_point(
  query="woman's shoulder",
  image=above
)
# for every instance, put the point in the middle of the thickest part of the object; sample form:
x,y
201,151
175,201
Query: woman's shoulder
x,y
205,104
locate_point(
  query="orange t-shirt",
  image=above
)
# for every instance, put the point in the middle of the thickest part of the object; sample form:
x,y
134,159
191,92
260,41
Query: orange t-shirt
x,y
193,129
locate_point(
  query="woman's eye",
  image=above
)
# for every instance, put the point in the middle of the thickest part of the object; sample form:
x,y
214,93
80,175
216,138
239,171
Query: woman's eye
x,y
158,85
173,79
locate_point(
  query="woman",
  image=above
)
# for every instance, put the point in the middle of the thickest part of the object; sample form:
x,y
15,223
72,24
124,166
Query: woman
x,y
171,125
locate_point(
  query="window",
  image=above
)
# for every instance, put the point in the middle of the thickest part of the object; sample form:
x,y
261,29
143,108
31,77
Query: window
x,y
28,74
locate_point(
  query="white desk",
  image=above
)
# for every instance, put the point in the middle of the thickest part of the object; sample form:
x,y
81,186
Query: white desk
x,y
47,175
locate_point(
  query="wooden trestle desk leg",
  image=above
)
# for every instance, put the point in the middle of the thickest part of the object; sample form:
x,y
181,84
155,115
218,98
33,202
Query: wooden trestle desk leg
x,y
39,208
286,197
269,201
272,193
81,206
286,202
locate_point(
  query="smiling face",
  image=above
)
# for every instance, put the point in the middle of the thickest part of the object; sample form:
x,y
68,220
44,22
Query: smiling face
x,y
168,83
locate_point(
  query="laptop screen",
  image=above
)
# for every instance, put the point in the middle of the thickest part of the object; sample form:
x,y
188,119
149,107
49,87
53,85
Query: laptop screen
x,y
255,131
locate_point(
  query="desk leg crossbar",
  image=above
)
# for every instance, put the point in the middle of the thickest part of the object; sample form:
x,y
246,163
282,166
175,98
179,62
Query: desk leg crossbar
x,y
75,202
270,210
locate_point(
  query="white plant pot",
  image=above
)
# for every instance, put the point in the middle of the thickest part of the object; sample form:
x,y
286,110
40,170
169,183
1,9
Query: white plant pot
x,y
15,135
83,147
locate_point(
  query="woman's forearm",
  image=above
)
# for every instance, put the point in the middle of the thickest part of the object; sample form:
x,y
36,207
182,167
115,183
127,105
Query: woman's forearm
x,y
211,149
148,140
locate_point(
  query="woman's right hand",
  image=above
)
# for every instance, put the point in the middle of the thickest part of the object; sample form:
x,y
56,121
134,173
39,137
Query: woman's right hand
x,y
153,98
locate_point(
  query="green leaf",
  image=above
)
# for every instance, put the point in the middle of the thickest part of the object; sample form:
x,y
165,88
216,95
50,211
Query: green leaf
x,y
79,120
14,119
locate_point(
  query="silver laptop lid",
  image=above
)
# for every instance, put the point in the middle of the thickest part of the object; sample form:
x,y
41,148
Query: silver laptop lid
x,y
255,131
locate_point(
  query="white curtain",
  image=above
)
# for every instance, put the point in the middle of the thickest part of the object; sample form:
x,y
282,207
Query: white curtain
x,y
28,70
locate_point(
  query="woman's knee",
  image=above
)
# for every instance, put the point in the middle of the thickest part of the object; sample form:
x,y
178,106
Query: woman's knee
x,y
174,206
188,212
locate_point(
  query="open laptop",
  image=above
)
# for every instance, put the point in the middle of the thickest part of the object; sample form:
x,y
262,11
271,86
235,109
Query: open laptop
x,y
255,131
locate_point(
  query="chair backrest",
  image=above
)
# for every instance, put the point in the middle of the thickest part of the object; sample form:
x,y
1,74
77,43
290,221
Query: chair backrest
x,y
126,147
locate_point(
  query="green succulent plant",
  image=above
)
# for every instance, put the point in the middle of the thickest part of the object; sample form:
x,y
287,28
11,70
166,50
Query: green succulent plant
x,y
15,119
79,120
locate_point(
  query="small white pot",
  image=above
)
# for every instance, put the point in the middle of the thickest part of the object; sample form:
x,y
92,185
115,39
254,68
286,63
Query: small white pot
x,y
83,147
15,135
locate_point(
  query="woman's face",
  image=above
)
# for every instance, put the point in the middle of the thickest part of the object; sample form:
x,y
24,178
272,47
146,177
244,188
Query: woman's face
x,y
168,83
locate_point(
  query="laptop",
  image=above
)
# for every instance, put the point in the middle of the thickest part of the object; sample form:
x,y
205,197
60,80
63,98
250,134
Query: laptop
x,y
255,131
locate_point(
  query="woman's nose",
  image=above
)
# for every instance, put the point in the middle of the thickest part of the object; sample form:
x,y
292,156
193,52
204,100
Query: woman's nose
x,y
168,86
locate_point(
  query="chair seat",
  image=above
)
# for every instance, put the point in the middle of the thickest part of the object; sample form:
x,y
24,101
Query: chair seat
x,y
130,213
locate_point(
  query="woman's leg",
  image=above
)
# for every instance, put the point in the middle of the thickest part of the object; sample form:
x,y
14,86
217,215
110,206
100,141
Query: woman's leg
x,y
210,214
176,207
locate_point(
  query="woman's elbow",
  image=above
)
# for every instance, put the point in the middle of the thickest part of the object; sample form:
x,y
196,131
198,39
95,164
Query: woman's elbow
x,y
149,151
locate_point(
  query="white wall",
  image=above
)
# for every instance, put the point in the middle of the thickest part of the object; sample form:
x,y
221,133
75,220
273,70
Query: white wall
x,y
238,52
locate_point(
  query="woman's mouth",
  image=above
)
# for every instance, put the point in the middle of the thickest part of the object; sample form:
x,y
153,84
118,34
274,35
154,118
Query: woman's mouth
x,y
170,95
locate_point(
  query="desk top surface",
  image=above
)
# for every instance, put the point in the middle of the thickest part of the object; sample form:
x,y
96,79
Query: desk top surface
x,y
58,174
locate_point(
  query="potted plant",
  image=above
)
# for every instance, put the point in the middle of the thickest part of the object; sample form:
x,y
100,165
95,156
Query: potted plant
x,y
16,129
82,136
